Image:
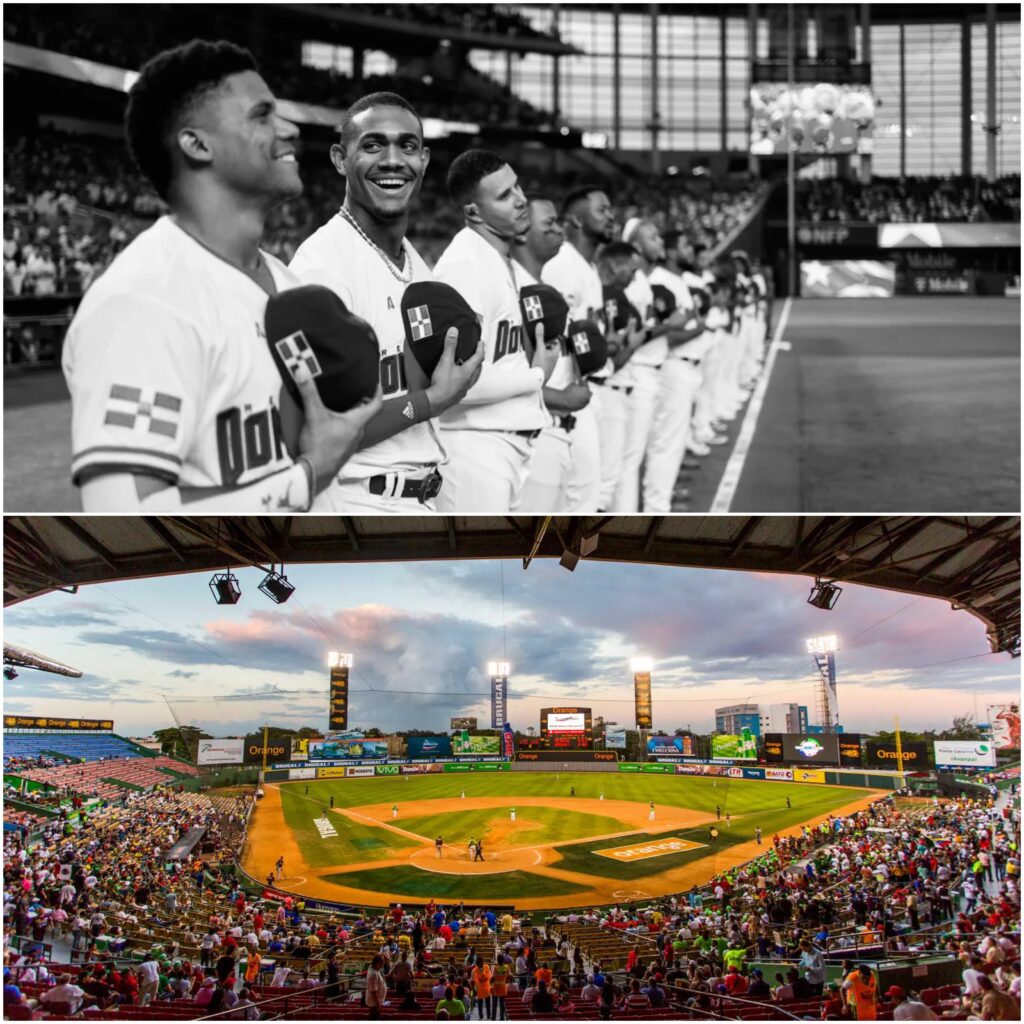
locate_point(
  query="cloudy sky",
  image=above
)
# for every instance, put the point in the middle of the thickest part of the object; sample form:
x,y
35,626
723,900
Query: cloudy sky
x,y
154,652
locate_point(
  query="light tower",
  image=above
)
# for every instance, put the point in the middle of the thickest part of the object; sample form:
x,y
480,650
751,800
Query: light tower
x,y
339,663
823,650
498,672
642,692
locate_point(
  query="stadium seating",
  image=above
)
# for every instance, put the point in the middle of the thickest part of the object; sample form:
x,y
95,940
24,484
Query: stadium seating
x,y
80,746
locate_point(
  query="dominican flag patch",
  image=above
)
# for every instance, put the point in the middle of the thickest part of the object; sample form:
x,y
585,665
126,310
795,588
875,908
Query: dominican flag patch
x,y
581,342
533,308
145,409
420,326
298,357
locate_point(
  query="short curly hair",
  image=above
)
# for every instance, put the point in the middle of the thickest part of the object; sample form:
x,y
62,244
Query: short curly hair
x,y
167,86
468,169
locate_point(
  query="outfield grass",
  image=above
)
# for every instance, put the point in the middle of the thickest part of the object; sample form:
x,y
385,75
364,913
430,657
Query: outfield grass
x,y
535,825
405,880
355,843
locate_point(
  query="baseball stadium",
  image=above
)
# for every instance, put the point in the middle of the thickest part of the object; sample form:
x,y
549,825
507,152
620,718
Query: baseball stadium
x,y
317,829
827,197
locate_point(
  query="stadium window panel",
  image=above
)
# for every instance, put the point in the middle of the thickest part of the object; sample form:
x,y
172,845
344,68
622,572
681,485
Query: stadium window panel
x,y
635,139
1008,107
635,33
327,57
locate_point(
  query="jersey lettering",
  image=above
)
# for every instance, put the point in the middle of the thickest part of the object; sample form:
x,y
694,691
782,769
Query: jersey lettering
x,y
508,340
247,444
392,374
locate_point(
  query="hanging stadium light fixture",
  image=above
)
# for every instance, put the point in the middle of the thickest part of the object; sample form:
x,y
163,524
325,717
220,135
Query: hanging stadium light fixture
x,y
276,586
10,673
824,595
225,588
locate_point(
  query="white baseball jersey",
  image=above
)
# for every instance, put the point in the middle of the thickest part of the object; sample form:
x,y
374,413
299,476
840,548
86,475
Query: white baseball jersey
x,y
639,292
695,348
338,257
507,395
580,284
169,370
564,372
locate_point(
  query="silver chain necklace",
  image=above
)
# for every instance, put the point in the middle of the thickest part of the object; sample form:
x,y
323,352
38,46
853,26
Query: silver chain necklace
x,y
404,276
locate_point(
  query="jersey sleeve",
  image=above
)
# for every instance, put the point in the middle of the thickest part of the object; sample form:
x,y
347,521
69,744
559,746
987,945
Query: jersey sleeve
x,y
136,371
559,276
310,267
464,276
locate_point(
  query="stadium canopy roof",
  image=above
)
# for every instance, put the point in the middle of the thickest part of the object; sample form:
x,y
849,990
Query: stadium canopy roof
x,y
22,657
973,562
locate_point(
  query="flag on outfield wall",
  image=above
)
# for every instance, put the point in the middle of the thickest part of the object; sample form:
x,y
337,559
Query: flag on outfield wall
x,y
847,279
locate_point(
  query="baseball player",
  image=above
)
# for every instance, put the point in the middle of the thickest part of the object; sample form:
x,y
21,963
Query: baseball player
x,y
617,266
176,400
588,222
512,814
564,394
641,373
673,407
489,435
650,817
362,255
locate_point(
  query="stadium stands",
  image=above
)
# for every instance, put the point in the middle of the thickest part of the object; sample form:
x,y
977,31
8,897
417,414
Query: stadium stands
x,y
76,746
802,908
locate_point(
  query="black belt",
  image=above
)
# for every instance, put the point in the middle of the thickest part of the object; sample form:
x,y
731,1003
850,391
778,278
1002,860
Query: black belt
x,y
565,422
687,359
423,489
530,435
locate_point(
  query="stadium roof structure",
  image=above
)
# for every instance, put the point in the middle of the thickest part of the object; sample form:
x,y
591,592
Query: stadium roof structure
x,y
22,657
973,562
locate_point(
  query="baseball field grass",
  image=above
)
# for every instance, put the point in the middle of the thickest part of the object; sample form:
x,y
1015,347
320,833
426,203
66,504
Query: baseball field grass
x,y
577,837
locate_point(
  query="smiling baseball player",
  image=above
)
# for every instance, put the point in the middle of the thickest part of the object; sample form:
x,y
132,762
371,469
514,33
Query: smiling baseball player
x,y
362,255
489,435
176,399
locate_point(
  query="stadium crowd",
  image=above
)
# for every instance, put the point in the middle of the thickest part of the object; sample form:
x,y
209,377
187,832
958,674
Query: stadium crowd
x,y
885,201
885,886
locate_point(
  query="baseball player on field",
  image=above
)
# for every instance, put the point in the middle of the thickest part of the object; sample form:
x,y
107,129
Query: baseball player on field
x,y
642,372
176,400
564,394
588,221
489,435
673,408
362,255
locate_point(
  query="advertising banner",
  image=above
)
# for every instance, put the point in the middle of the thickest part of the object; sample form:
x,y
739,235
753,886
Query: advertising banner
x,y
301,773
847,279
477,767
338,716
465,744
717,770
574,721
753,773
882,754
914,235
665,745
779,774
808,775
734,773
276,750
335,772
300,748
964,753
642,700
386,769
656,768
429,746
808,749
220,751
458,724
566,756
346,749
615,739
849,750
85,724
421,769
773,747
630,767
735,748
360,771
833,235
1004,721
508,741
499,700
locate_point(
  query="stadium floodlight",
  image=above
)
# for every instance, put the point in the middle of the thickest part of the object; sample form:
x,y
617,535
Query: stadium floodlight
x,y
823,644
642,664
276,586
498,668
10,673
824,595
225,588
338,660
585,544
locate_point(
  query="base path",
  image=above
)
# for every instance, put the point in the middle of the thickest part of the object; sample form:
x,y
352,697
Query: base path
x,y
269,837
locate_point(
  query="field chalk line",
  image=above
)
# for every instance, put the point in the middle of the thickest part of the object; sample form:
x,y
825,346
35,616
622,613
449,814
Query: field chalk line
x,y
734,467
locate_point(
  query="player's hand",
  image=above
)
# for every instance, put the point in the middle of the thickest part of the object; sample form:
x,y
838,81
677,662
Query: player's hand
x,y
451,380
545,355
575,397
636,334
329,439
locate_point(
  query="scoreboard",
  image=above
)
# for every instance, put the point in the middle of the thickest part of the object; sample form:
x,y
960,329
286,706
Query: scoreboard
x,y
569,728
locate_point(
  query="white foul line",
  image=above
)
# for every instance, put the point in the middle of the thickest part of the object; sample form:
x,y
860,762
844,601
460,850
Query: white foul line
x,y
734,467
